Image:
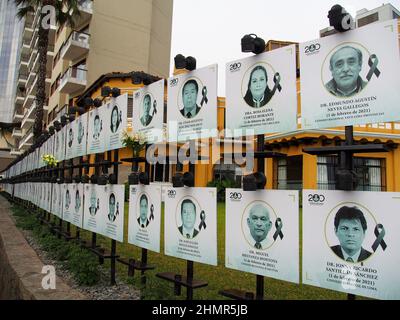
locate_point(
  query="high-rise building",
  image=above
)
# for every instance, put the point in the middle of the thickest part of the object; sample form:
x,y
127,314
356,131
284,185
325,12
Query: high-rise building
x,y
10,33
108,36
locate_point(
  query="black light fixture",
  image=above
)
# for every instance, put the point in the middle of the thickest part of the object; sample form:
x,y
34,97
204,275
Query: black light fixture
x,y
105,91
102,180
63,120
71,117
252,43
51,130
144,178
113,179
57,125
188,63
85,178
254,181
88,102
97,103
93,179
115,92
340,19
136,77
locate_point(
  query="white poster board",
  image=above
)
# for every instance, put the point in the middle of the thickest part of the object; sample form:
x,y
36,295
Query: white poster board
x,y
261,94
192,105
145,216
148,111
115,115
349,78
350,242
262,233
190,227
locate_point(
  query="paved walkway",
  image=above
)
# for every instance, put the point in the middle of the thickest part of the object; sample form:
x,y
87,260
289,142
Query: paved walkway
x,y
20,267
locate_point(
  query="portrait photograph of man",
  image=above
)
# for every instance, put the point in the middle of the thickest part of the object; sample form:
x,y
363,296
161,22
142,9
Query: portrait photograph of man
x,y
345,66
77,201
190,91
94,204
350,226
188,216
96,127
143,220
67,200
112,208
259,224
146,117
70,137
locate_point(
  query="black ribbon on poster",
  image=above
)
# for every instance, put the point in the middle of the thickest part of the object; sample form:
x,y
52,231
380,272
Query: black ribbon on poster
x,y
277,80
373,64
154,108
117,212
203,220
380,234
204,94
151,212
278,226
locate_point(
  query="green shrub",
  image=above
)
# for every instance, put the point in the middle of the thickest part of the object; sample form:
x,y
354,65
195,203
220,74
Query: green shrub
x,y
83,265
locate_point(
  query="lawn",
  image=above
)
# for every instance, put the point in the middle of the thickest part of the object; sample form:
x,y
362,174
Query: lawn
x,y
218,277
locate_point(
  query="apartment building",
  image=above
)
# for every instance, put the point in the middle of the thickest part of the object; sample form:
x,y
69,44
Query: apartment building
x,y
107,37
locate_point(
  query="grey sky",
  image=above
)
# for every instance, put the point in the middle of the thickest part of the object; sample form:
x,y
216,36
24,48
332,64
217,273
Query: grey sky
x,y
210,30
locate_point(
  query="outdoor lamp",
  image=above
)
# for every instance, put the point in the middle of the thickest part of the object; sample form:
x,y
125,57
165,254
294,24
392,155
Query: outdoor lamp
x,y
57,125
93,179
71,117
115,92
105,91
252,43
63,120
68,180
136,78
85,178
188,63
97,103
113,179
88,102
133,178
346,180
177,180
102,180
77,178
51,130
144,178
340,19
254,181
188,179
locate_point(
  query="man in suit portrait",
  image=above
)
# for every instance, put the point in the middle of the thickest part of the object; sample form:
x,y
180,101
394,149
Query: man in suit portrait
x,y
112,214
190,91
146,117
188,215
144,210
67,200
71,138
345,65
93,207
350,227
259,224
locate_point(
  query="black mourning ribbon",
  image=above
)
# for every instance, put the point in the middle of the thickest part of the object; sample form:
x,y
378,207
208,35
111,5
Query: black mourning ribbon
x,y
154,108
151,212
203,220
373,64
204,94
117,212
278,226
380,234
277,81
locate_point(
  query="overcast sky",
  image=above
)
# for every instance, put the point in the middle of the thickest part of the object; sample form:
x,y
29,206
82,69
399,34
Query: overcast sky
x,y
210,30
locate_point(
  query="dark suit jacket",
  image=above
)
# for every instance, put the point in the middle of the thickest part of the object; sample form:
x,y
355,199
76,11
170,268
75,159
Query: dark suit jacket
x,y
147,222
112,218
364,254
195,232
193,115
146,123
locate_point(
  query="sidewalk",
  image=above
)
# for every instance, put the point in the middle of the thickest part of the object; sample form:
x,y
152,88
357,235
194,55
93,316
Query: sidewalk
x,y
20,267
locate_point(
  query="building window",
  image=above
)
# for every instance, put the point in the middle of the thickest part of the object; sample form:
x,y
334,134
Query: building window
x,y
371,173
288,173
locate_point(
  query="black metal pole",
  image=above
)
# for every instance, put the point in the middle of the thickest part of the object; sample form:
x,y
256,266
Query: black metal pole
x,y
144,262
113,242
189,278
260,168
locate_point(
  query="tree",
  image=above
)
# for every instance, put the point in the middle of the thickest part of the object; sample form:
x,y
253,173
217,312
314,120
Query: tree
x,y
59,12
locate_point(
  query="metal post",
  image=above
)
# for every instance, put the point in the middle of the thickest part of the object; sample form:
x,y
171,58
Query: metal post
x,y
144,262
189,278
113,253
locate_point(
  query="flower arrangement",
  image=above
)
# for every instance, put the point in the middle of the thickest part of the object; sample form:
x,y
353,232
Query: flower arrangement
x,y
135,141
49,160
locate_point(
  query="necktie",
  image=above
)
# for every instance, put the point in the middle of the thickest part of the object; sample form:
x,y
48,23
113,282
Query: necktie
x,y
257,245
349,259
142,225
189,115
188,235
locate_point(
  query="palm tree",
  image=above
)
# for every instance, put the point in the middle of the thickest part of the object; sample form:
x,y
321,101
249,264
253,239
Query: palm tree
x,y
66,11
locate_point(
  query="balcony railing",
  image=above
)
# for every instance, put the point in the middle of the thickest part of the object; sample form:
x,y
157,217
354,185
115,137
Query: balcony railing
x,y
73,80
76,45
